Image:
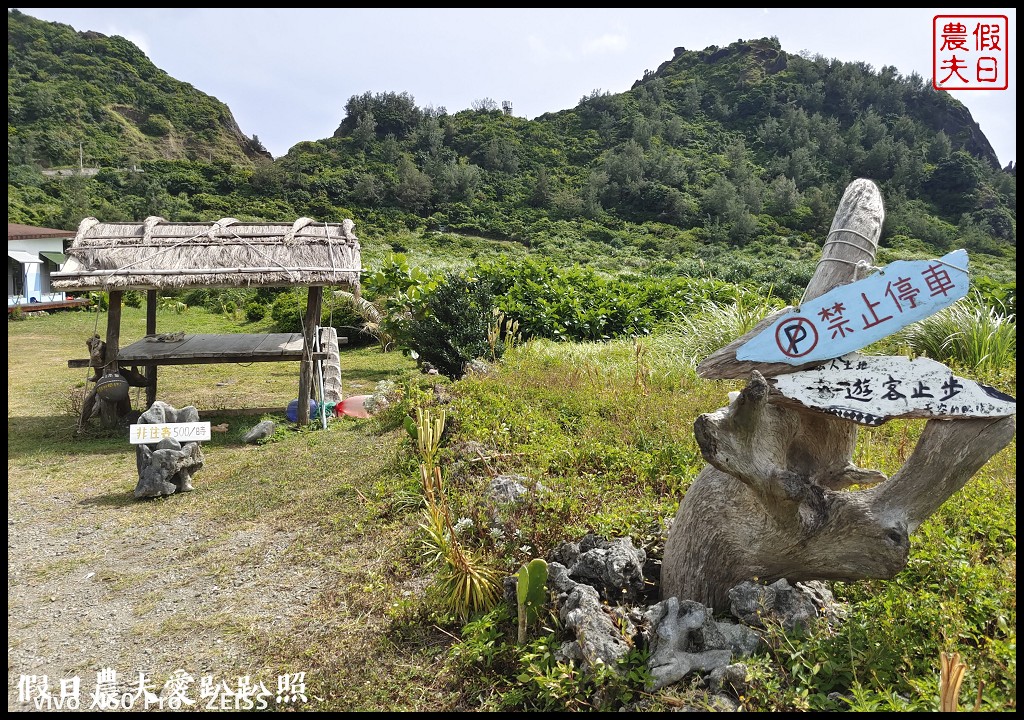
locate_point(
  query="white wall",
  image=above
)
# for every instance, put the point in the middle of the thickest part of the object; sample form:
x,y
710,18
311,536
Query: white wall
x,y
36,277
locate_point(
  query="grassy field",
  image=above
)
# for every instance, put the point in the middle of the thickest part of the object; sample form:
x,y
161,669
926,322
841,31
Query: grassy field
x,y
275,539
302,555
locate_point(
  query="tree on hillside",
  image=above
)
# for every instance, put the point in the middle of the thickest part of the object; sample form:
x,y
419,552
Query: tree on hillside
x,y
394,113
484,105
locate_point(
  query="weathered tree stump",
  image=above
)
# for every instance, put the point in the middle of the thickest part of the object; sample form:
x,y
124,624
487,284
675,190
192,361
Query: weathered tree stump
x,y
775,500
94,403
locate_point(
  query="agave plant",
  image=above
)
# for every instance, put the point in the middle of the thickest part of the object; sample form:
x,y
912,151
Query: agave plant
x,y
464,583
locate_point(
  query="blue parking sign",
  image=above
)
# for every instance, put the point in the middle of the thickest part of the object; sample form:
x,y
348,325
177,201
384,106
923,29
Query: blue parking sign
x,y
853,316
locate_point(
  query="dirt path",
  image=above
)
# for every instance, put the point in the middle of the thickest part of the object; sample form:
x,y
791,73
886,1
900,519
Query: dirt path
x,y
87,593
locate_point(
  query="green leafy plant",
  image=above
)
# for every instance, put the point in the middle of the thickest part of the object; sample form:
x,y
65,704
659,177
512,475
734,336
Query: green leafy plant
x,y
558,684
531,594
482,641
393,293
99,300
255,310
371,315
172,304
562,685
452,324
410,427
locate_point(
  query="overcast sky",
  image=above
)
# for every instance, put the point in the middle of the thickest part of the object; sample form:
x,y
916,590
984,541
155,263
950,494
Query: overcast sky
x,y
286,74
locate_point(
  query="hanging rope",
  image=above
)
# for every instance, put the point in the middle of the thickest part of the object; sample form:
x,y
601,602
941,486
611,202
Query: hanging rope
x,y
863,264
330,251
870,253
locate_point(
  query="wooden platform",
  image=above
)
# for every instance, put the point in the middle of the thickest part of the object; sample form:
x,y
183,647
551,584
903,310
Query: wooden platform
x,y
156,349
55,305
207,349
204,349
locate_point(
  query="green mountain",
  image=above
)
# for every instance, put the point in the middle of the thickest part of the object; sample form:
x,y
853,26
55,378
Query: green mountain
x,y
69,91
725,161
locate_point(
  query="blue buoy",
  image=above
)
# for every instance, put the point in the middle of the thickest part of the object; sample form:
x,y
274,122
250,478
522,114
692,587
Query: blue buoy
x,y
292,413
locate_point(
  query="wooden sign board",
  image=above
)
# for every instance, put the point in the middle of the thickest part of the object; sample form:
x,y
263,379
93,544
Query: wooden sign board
x,y
871,390
182,432
853,316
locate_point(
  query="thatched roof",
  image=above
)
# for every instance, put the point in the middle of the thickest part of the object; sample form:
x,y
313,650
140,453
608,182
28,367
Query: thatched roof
x,y
228,253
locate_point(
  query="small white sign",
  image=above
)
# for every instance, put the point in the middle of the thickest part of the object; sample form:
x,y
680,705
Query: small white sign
x,y
182,432
871,389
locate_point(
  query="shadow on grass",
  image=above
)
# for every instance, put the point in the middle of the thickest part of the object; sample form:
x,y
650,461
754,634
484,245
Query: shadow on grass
x,y
111,500
59,437
30,436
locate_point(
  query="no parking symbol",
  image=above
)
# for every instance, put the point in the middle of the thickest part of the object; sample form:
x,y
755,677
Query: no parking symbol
x,y
796,337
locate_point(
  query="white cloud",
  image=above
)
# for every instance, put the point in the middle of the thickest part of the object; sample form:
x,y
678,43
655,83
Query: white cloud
x,y
538,50
607,44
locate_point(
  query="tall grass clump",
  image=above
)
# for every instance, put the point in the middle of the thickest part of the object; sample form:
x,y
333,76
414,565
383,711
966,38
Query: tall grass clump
x,y
691,338
970,336
606,428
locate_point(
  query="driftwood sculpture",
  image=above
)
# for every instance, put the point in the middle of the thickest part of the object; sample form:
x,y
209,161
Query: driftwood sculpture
x,y
95,403
775,500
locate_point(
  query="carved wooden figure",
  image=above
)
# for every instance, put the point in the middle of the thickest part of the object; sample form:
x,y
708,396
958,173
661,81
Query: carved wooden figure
x,y
775,500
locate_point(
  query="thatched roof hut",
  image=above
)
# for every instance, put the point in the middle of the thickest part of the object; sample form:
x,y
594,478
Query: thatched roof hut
x,y
157,254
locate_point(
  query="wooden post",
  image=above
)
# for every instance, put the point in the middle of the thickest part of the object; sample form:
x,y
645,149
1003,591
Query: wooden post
x,y
108,412
314,304
151,370
113,330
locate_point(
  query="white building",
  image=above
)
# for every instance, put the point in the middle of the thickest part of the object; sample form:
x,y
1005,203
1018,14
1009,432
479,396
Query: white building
x,y
33,253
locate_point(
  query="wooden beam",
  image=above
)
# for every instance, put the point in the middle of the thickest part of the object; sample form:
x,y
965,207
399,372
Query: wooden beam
x,y
203,349
113,330
86,362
